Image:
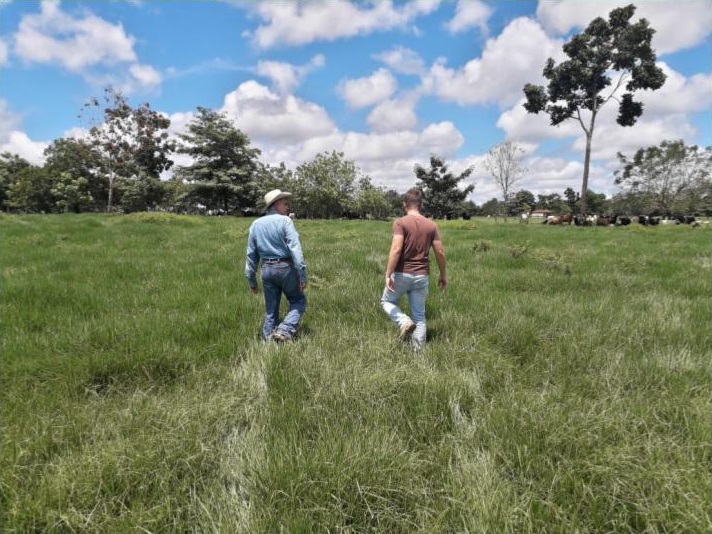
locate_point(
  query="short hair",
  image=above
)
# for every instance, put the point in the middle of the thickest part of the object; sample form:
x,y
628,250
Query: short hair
x,y
413,197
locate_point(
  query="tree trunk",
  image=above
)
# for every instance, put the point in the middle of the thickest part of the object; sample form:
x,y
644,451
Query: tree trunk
x,y
586,165
111,191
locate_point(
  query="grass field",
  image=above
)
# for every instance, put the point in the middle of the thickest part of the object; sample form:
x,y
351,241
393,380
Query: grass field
x,y
565,386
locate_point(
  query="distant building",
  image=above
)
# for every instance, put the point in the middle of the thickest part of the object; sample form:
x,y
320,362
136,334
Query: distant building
x,y
540,214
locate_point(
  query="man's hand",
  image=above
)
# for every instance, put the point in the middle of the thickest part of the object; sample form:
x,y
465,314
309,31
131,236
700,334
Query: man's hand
x,y
442,282
302,286
255,290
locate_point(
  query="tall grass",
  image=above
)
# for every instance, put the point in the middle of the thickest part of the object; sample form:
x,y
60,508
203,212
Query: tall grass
x,y
565,386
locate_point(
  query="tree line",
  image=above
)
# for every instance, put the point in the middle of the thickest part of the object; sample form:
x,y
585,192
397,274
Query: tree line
x,y
119,165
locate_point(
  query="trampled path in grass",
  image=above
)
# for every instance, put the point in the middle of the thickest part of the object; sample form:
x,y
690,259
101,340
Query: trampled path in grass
x,y
565,386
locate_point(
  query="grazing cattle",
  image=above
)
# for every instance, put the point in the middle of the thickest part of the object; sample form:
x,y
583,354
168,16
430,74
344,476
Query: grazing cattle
x,y
605,221
622,220
697,224
524,218
669,222
553,219
686,219
567,218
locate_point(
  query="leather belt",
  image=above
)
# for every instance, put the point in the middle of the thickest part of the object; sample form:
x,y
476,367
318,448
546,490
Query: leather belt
x,y
277,260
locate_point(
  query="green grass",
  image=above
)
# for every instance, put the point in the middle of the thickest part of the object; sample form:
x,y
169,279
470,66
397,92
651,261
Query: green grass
x,y
565,386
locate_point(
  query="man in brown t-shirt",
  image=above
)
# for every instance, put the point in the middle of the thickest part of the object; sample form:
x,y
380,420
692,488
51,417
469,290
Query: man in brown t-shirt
x,y
408,268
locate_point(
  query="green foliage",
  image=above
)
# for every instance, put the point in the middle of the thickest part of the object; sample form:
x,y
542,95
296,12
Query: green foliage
x,y
31,191
71,193
78,159
326,186
615,46
10,167
671,177
130,143
441,193
224,167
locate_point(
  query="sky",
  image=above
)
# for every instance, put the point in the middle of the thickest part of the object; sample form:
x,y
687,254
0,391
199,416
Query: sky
x,y
387,83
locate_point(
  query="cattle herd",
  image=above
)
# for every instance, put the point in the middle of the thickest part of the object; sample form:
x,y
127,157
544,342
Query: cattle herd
x,y
618,220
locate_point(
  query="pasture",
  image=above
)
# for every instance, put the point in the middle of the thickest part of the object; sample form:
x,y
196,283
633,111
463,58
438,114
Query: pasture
x,y
565,386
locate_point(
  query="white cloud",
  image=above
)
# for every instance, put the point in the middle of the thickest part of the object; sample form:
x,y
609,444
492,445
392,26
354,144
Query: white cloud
x,y
268,116
81,45
393,115
678,95
470,14
363,92
19,143
9,121
611,138
286,77
145,75
402,60
522,47
298,23
561,16
523,126
3,52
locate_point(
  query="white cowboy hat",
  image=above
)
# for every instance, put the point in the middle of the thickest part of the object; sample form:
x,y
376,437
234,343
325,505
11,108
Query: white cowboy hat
x,y
275,195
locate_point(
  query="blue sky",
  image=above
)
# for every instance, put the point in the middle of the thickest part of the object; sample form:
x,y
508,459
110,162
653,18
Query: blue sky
x,y
386,83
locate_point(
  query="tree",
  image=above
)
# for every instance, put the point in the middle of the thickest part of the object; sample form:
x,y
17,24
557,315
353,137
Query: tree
x,y
76,158
502,162
669,177
597,202
11,166
31,191
326,186
133,143
576,85
370,200
71,193
552,202
524,202
441,194
224,167
491,208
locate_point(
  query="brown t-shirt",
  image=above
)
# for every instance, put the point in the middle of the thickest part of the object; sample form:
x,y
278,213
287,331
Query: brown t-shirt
x,y
418,235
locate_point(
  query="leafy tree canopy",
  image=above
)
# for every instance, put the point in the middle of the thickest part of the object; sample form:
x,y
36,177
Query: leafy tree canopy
x,y
441,193
606,48
670,177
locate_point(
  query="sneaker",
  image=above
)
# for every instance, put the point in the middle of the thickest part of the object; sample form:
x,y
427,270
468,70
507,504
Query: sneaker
x,y
406,329
281,336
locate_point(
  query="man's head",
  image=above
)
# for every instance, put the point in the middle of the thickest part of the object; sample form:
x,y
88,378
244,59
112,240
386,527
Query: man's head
x,y
413,199
276,200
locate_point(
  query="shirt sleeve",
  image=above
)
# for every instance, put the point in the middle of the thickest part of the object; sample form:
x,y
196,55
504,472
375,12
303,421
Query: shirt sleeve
x,y
252,258
398,228
291,238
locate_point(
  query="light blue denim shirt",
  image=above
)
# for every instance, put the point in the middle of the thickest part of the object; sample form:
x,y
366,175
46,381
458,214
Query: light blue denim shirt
x,y
273,236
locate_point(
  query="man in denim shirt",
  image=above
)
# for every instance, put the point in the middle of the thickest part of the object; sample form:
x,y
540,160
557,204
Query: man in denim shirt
x,y
274,241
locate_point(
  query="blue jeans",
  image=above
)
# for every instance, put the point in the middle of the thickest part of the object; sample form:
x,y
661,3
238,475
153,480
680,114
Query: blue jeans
x,y
278,278
416,287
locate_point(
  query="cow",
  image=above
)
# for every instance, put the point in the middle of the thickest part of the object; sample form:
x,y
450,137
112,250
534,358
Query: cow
x,y
605,221
567,218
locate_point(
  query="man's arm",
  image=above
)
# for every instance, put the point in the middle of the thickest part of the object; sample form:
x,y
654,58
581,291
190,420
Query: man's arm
x,y
252,258
439,250
393,257
291,238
